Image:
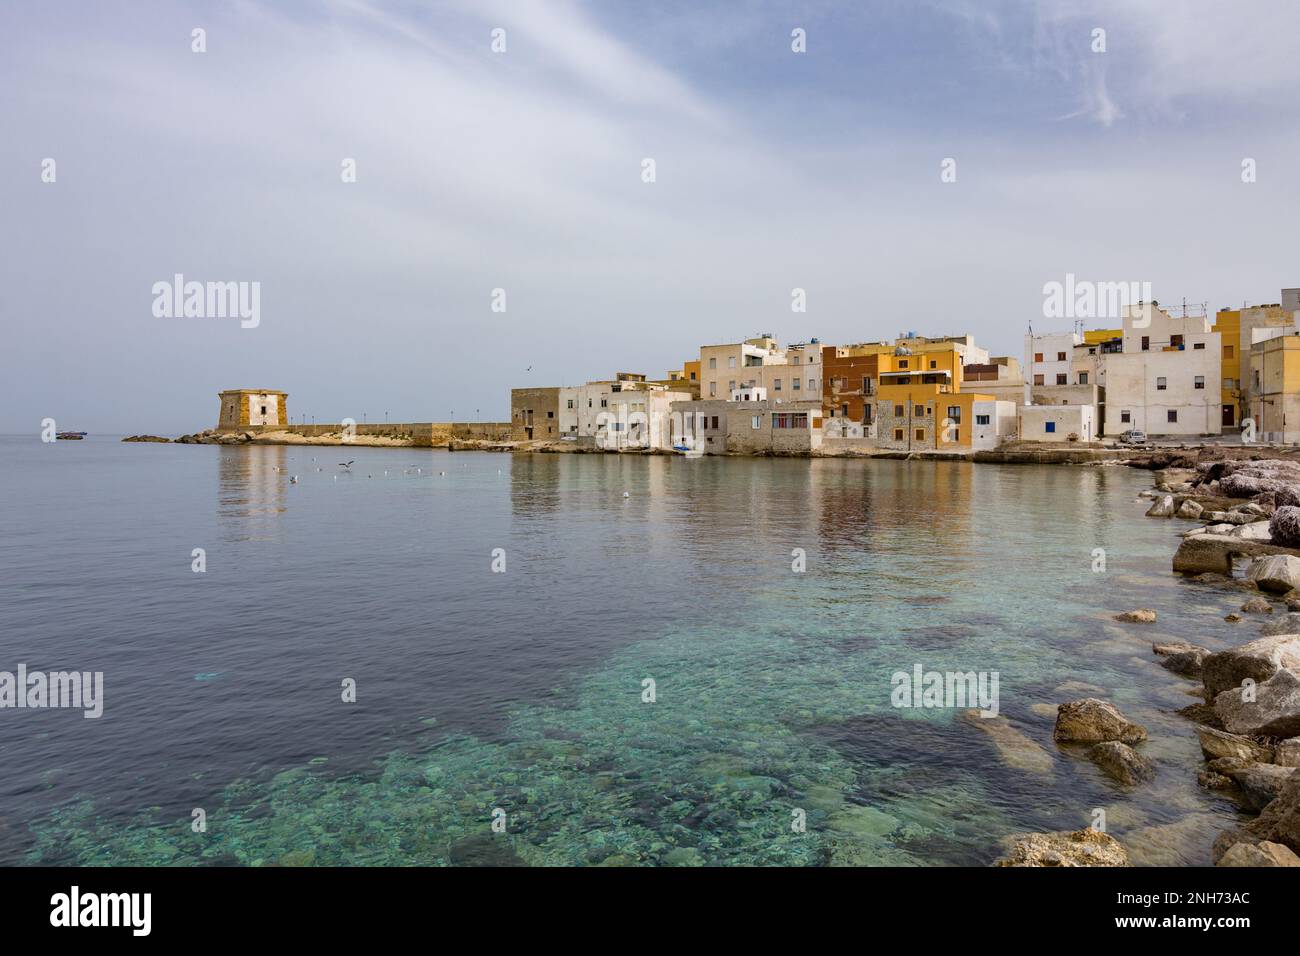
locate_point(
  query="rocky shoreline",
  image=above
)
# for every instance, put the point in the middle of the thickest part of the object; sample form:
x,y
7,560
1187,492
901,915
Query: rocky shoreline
x,y
1248,720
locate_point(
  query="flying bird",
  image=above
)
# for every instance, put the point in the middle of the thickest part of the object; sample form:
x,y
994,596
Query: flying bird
x,y
346,464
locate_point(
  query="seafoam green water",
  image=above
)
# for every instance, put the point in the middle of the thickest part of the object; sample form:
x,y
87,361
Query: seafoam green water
x,y
772,686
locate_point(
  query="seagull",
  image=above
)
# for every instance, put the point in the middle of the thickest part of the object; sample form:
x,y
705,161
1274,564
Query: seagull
x,y
293,479
346,464
627,495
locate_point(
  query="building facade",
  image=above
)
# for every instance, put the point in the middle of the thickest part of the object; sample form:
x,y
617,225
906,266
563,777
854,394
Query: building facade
x,y
534,413
252,407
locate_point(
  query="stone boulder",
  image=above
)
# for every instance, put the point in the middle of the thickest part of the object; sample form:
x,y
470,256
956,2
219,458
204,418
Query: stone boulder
x,y
1257,605
1258,854
1121,762
1288,623
1143,615
1255,531
1279,822
1275,711
1181,658
1189,509
1275,572
1092,721
1260,783
1284,526
1258,660
1163,508
1069,848
1217,743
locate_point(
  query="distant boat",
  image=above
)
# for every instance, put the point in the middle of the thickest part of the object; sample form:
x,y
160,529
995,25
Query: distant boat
x,y
70,436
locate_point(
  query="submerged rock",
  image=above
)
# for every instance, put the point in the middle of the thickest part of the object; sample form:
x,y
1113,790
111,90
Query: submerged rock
x,y
1068,848
1122,762
1260,783
1289,623
1257,605
1015,749
1090,721
1143,615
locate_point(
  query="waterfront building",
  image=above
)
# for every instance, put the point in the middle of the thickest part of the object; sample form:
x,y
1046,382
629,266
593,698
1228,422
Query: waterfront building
x,y
1239,330
920,403
1000,377
1057,423
687,379
852,373
627,411
252,407
534,413
993,421
1165,378
1274,379
788,374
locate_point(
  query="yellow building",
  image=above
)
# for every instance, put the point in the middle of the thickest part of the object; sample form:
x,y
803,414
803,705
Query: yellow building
x,y
1237,330
919,401
689,376
1274,389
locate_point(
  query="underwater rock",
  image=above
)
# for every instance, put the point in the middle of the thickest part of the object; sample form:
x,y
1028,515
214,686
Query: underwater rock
x,y
1014,747
1142,615
1288,623
1068,848
1122,762
1091,721
1257,605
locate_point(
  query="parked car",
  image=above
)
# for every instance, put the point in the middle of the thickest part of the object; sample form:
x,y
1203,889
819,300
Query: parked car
x,y
1133,436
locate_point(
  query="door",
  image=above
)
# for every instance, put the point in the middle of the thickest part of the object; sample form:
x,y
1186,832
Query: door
x,y
1228,414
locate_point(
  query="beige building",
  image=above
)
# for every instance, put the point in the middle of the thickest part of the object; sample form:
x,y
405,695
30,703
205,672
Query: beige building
x,y
1166,379
999,377
1275,388
534,413
993,421
791,374
1057,423
626,413
252,407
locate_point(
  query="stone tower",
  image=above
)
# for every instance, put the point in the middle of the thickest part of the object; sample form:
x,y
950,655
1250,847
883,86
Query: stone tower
x,y
252,407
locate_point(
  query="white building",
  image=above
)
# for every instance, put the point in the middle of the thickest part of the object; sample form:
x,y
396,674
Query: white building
x,y
1053,423
994,423
619,414
1049,358
1167,379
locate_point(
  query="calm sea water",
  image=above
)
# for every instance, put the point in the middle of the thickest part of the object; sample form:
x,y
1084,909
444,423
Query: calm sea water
x,y
522,691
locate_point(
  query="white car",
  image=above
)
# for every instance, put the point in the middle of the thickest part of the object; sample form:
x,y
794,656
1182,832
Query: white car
x,y
1133,436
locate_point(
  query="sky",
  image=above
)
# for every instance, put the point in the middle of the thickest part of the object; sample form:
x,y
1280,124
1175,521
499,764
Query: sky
x,y
523,170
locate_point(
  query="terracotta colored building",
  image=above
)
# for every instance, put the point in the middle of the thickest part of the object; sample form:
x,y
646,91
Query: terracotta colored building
x,y
248,407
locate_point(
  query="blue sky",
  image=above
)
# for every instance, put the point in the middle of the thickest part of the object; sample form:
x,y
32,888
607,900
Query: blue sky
x,y
522,170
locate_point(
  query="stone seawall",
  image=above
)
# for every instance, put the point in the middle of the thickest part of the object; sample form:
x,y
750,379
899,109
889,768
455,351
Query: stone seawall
x,y
418,434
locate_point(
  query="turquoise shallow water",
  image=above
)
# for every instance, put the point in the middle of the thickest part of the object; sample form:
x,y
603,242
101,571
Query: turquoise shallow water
x,y
523,691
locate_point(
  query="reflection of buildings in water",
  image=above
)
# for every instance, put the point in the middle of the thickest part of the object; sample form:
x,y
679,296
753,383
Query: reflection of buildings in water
x,y
249,486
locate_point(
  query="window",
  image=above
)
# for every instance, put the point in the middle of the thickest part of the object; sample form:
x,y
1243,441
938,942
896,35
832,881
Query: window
x,y
954,413
1199,382
1050,426
692,376
1126,417
789,420
757,422
866,385
920,434
898,434
1198,345
1038,356
812,384
844,410
731,361
1062,378
570,403
795,384
604,403
713,388
796,360
1229,384
550,414
263,409
898,411
1173,415
1038,380
902,363
776,385
1227,351
589,403
1161,385
905,380
933,364
715,422
1176,341
1146,342
981,419
713,362
1083,378
731,385
1060,356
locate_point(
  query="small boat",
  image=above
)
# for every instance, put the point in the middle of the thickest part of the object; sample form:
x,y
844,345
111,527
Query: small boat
x,y
70,436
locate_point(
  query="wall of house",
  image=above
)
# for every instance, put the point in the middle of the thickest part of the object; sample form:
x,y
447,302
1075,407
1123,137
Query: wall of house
x,y
1078,420
538,408
1133,387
